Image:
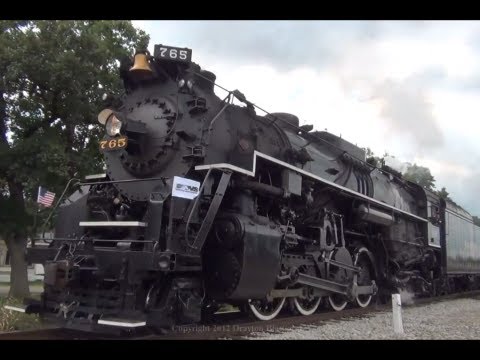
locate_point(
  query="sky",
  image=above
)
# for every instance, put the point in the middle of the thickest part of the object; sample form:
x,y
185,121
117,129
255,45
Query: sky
x,y
409,88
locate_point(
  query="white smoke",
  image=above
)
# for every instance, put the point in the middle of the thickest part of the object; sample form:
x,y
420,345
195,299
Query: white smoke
x,y
407,110
396,164
407,297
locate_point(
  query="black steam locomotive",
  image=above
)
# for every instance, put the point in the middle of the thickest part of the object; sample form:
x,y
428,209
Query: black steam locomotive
x,y
205,202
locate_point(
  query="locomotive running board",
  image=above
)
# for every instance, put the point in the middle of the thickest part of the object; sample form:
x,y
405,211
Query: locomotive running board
x,y
16,308
129,323
33,308
306,173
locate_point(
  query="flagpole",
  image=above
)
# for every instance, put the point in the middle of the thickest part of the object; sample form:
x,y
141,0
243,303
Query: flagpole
x,y
35,225
37,209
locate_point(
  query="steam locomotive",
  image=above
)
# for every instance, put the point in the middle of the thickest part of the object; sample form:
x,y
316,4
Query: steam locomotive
x,y
205,202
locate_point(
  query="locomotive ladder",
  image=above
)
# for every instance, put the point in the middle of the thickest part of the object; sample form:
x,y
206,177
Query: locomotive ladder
x,y
196,246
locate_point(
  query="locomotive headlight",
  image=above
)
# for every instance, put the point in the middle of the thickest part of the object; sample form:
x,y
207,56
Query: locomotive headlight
x,y
104,115
113,125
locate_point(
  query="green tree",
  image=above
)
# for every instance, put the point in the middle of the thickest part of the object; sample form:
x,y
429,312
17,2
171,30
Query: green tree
x,y
52,78
476,220
420,175
443,194
374,160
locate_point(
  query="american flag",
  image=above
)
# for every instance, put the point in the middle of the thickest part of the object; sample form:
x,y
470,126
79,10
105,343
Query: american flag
x,y
45,197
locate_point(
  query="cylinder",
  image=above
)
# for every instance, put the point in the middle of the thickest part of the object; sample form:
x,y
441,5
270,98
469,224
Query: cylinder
x,y
375,216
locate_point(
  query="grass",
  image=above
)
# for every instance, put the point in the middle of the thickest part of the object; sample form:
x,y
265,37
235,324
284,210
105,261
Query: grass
x,y
36,283
13,320
227,307
31,283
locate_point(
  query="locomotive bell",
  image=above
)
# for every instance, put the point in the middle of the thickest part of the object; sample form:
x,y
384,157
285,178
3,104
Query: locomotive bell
x,y
141,65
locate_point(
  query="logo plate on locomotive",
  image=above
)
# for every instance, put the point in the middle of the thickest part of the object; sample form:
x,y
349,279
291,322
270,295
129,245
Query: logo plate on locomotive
x,y
185,188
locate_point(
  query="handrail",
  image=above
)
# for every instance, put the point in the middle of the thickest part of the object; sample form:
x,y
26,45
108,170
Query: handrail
x,y
122,181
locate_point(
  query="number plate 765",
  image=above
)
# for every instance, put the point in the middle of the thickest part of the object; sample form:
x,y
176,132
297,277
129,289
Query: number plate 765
x,y
163,52
114,144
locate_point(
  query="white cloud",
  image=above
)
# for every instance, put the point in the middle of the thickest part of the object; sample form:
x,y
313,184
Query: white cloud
x,y
409,88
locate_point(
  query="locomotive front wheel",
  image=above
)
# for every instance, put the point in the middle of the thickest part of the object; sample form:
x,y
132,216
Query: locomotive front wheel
x,y
266,310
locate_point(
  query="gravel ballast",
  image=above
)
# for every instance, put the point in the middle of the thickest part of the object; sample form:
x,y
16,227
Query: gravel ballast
x,y
453,319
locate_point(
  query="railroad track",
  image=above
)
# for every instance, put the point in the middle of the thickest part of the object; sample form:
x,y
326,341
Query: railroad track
x,y
47,334
229,325
237,328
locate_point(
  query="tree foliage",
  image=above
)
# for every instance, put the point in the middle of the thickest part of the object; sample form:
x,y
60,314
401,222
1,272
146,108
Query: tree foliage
x,y
444,194
52,78
374,160
476,220
420,175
